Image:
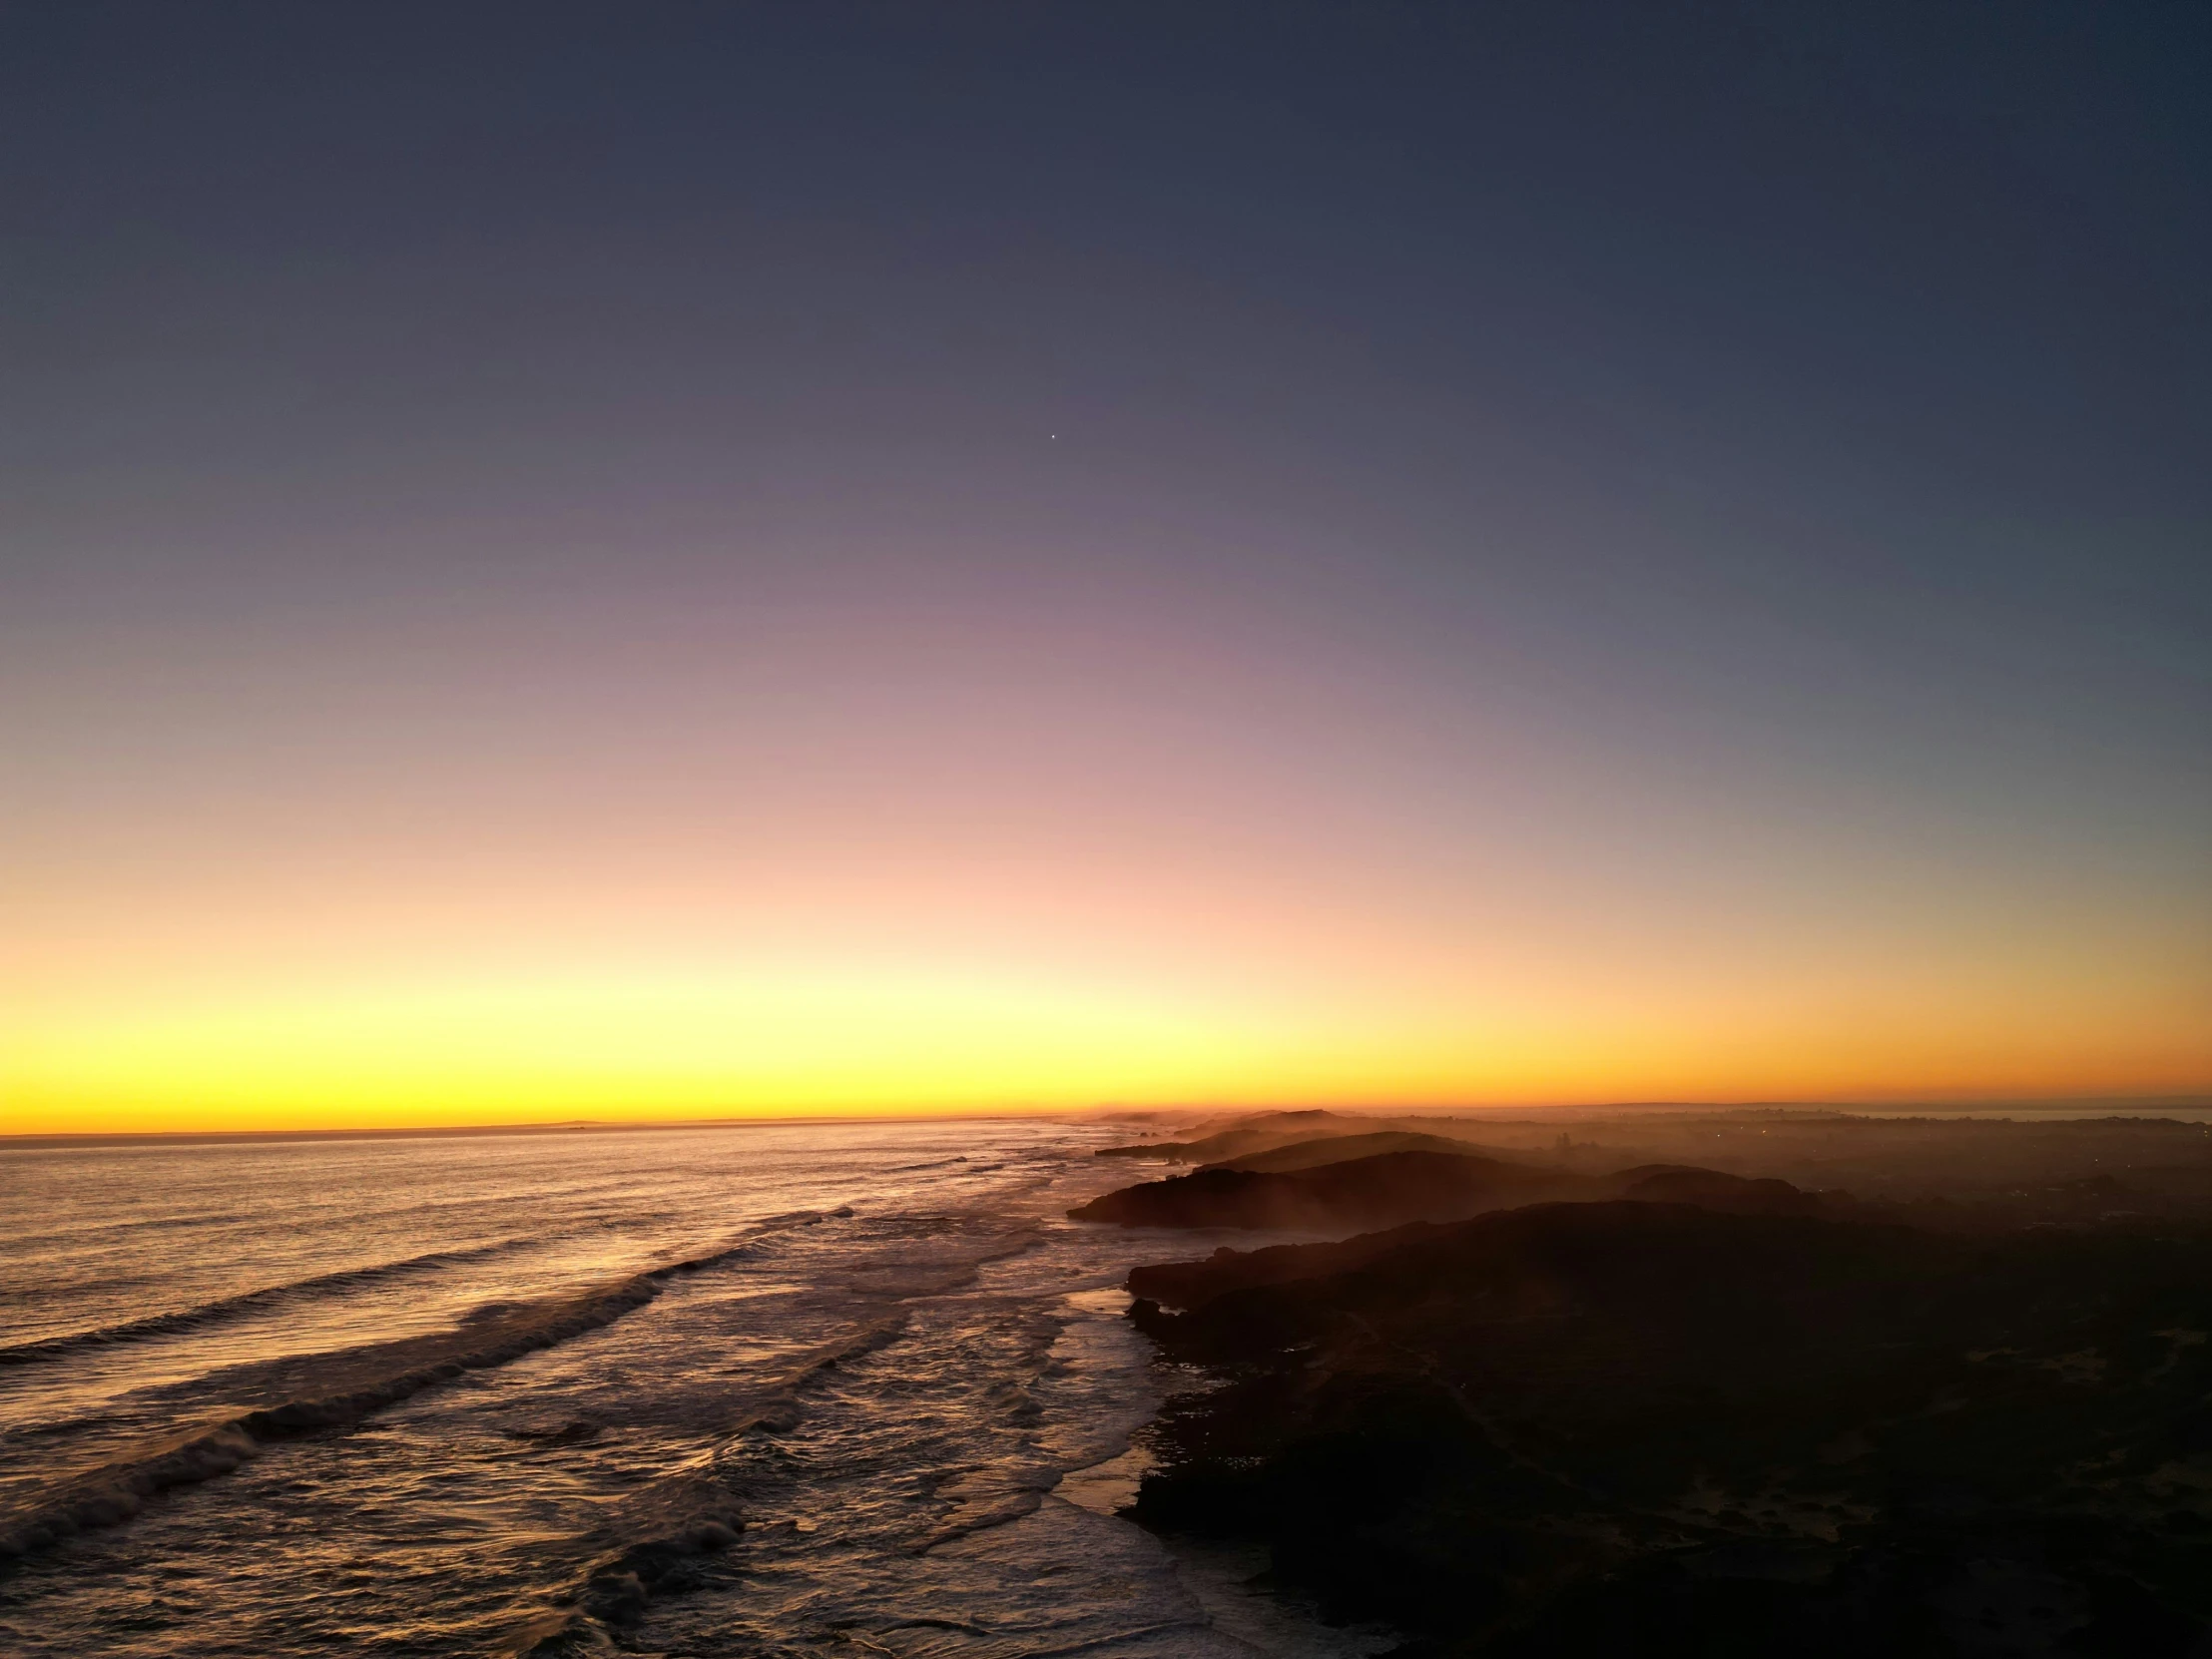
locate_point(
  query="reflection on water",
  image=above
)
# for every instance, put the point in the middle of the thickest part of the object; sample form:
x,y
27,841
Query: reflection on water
x,y
770,1389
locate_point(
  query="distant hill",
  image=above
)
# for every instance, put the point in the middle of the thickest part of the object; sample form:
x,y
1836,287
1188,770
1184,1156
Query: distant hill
x,y
1363,1192
1340,1149
1265,1131
1256,1133
1191,1285
1972,1172
1712,1190
1315,1185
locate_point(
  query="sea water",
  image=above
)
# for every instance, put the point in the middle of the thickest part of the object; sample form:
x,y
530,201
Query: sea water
x,y
794,1390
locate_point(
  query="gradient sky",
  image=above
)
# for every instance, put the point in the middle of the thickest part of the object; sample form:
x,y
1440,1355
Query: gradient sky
x,y
679,559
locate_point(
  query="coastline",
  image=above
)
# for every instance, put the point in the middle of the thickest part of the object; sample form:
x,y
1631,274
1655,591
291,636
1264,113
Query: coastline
x,y
1759,1420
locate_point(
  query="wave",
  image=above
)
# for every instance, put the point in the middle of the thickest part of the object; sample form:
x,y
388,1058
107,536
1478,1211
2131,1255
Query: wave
x,y
300,1211
656,1542
246,1303
653,1546
337,1390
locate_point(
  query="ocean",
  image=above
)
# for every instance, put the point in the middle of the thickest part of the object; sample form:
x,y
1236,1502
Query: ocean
x,y
842,1389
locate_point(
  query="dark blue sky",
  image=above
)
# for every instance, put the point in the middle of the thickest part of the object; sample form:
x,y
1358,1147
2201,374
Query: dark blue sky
x,y
1877,311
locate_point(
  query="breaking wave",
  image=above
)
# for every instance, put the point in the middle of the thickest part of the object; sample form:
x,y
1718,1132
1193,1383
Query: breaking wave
x,y
355,1383
651,1546
248,1303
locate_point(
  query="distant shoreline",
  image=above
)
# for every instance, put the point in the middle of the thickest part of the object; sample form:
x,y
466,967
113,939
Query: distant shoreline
x,y
2178,1106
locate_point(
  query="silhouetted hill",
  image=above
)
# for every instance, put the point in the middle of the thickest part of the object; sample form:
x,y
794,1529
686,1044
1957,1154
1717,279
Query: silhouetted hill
x,y
1186,1285
1712,1190
1341,1149
1305,1186
1363,1192
1257,1133
1642,1428
1966,1171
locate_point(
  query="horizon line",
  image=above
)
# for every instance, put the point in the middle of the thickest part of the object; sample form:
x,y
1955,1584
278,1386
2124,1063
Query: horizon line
x,y
1914,1106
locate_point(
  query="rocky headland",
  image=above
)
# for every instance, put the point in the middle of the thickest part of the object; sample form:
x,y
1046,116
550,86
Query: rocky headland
x,y
1676,1411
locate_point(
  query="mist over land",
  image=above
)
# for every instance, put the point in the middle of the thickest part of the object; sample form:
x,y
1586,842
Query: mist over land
x,y
1847,1384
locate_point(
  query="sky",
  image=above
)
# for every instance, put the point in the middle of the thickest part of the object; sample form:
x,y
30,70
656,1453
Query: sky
x,y
690,560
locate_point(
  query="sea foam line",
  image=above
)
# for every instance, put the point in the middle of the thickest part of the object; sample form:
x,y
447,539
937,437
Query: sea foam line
x,y
245,1303
117,1490
693,1514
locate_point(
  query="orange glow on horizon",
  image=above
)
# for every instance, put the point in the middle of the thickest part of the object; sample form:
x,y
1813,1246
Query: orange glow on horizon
x,y
963,881
812,1039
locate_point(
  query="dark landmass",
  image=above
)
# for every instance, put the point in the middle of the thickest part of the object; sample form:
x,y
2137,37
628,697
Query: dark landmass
x,y
1393,1187
1942,1171
1717,1190
1257,1133
1361,1191
1964,1418
1342,1148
